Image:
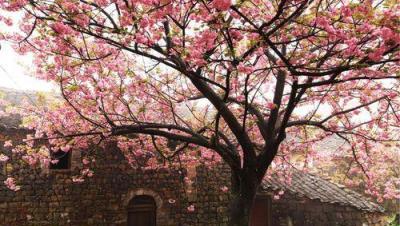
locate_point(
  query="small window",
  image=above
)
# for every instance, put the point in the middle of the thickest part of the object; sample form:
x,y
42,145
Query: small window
x,y
142,211
64,160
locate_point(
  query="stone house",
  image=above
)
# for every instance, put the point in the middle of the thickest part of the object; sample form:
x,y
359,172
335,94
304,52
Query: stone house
x,y
118,195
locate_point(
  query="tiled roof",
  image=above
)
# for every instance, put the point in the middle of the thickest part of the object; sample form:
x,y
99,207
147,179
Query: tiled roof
x,y
314,187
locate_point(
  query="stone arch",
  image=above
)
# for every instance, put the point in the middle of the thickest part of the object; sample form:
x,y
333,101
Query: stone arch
x,y
160,216
142,191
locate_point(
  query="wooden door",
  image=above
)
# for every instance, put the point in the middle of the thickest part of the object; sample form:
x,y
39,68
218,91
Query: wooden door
x,y
261,212
142,211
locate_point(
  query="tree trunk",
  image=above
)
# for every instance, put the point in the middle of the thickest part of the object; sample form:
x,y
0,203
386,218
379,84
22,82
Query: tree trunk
x,y
243,191
240,211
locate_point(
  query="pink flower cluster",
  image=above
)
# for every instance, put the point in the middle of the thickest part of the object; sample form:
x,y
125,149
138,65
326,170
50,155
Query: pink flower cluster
x,y
10,183
61,28
191,208
8,143
222,4
3,158
224,189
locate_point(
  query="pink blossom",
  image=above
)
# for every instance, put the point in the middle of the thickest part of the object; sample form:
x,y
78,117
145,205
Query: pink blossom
x,y
61,28
236,34
82,20
3,158
66,148
376,55
10,183
87,172
8,21
191,208
141,39
271,105
386,33
222,5
244,69
322,21
85,161
90,173
31,160
352,48
102,2
8,143
77,180
188,180
392,95
224,188
346,11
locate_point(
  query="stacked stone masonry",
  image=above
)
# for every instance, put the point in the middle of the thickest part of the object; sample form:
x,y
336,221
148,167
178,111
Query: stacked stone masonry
x,y
51,198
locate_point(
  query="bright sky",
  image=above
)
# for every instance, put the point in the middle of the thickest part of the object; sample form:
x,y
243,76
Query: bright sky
x,y
16,71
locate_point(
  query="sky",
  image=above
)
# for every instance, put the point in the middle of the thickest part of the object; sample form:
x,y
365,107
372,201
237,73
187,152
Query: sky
x,y
16,71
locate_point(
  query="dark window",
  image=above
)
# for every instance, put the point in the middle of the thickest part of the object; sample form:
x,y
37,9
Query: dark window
x,y
142,211
261,211
64,160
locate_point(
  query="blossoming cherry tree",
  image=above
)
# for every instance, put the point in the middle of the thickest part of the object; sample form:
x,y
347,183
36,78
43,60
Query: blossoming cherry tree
x,y
250,83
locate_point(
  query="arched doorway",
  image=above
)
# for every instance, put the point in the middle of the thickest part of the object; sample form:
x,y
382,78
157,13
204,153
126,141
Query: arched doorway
x,y
142,211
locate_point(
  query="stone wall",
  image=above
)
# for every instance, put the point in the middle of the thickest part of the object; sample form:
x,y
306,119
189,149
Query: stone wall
x,y
50,198
53,199
211,199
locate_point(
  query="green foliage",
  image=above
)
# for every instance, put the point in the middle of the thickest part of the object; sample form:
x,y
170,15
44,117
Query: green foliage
x,y
395,221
